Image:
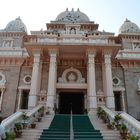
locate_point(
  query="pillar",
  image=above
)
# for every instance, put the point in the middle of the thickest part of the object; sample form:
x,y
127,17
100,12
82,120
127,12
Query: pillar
x,y
109,86
1,97
19,98
34,89
92,99
51,94
123,101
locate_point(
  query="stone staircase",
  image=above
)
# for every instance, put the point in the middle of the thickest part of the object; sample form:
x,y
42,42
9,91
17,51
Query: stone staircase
x,y
106,133
34,134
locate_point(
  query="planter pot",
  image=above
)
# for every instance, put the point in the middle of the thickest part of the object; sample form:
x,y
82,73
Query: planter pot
x,y
109,126
39,119
33,125
123,135
42,114
18,134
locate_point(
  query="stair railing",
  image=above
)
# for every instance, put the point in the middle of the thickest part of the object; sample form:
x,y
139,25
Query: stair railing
x,y
131,123
33,114
71,126
111,114
9,123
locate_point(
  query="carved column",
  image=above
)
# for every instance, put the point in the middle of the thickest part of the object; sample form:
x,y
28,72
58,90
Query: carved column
x,y
123,101
19,98
92,99
52,81
1,97
109,87
35,81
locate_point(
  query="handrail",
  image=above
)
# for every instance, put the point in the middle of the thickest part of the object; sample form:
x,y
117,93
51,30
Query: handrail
x,y
111,114
132,124
9,122
71,127
33,114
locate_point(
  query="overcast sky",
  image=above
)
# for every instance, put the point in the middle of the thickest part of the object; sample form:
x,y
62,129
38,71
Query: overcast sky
x,y
109,14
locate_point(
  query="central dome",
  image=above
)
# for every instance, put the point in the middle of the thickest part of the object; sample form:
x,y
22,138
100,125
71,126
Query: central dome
x,y
72,16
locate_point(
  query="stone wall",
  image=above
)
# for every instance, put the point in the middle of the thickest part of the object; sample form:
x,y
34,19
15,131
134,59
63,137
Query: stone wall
x,y
133,99
10,95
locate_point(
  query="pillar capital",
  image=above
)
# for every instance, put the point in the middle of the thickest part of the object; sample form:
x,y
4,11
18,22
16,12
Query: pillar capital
x,y
37,52
91,53
107,58
53,52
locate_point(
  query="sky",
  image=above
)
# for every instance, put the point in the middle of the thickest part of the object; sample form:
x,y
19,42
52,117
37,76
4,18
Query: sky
x,y
109,14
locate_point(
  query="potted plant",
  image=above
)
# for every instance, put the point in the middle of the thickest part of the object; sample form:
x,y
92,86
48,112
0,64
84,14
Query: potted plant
x,y
39,119
99,112
25,118
132,137
10,135
109,125
103,116
41,111
116,121
123,131
33,124
18,129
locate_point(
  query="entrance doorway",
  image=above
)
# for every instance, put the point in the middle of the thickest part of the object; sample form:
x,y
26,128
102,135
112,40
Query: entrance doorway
x,y
24,99
118,101
68,101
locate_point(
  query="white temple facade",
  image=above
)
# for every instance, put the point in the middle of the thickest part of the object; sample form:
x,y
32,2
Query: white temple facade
x,y
70,65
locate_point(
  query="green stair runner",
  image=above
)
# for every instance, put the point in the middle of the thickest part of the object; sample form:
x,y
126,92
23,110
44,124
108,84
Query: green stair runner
x,y
84,130
60,129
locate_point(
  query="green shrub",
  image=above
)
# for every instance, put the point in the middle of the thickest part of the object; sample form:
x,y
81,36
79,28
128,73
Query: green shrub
x,y
10,135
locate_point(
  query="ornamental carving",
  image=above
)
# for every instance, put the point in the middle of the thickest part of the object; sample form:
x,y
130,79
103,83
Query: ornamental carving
x,y
71,75
136,45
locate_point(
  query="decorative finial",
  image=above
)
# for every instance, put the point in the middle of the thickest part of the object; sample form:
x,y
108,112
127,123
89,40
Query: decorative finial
x,y
127,20
67,9
78,9
72,9
18,18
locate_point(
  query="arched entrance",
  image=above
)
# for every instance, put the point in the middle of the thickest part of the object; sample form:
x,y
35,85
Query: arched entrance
x,y
71,101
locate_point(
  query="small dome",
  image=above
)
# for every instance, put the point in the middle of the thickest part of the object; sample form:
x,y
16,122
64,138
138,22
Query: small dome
x,y
72,16
129,27
16,26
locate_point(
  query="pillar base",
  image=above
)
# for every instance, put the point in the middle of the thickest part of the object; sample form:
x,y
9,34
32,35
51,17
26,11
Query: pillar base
x,y
50,111
92,102
32,101
92,111
110,102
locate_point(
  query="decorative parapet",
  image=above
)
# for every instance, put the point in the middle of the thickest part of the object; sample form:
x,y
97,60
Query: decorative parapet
x,y
65,39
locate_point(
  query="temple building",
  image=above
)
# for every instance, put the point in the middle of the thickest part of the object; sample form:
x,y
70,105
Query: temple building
x,y
70,66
